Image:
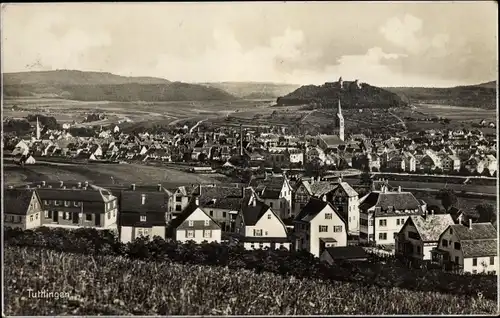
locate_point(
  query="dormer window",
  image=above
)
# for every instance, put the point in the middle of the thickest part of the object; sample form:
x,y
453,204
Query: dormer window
x,y
190,222
143,218
207,222
269,216
143,199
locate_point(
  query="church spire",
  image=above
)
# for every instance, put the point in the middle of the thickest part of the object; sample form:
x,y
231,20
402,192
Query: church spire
x,y
38,134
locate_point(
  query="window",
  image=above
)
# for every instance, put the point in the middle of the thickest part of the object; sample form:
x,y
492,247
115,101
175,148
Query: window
x,y
456,260
178,199
190,233
109,215
50,214
402,221
382,222
363,222
492,260
36,216
31,218
337,229
328,216
474,271
370,223
67,216
139,232
75,204
56,203
418,249
382,236
445,243
257,232
88,217
270,204
413,235
211,213
46,214
397,221
178,208
457,245
269,216
451,231
114,204
66,203
207,222
323,228
143,218
45,202
224,214
114,213
190,222
207,233
474,262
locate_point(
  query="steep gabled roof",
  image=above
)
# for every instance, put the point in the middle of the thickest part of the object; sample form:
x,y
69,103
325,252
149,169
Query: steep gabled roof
x,y
480,248
477,231
312,208
400,201
252,214
348,189
430,227
17,201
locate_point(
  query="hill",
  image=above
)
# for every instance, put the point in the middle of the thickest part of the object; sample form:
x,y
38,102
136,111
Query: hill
x,y
254,90
351,96
482,95
97,86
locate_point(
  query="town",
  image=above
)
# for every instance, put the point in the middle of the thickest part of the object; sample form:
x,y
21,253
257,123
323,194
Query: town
x,y
279,208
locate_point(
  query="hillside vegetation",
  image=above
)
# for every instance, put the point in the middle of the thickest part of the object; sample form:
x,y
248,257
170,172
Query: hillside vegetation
x,y
110,285
96,86
481,95
351,96
254,90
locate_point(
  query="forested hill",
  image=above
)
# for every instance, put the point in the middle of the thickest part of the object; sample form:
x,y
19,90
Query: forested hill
x,y
482,95
98,86
351,95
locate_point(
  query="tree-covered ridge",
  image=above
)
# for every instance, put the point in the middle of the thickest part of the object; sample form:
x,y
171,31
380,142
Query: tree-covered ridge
x,y
350,94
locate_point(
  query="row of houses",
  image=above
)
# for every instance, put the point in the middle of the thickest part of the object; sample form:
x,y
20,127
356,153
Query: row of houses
x,y
311,215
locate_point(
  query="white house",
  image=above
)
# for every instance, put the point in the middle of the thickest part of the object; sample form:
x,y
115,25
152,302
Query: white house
x,y
491,163
319,226
116,129
257,226
21,148
193,224
471,248
383,214
420,234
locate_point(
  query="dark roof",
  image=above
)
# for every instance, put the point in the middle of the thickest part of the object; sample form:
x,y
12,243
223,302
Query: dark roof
x,y
131,201
181,217
17,201
399,201
218,197
252,214
480,248
313,207
478,231
134,219
347,252
80,195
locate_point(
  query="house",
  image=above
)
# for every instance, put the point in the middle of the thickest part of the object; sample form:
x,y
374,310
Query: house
x,y
491,164
305,190
21,148
472,249
319,226
420,234
221,203
450,163
429,162
143,212
194,224
383,214
346,201
346,253
74,205
276,191
178,199
258,227
474,164
27,160
22,208
410,162
396,163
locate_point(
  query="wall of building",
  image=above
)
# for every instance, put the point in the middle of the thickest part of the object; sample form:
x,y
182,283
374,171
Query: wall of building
x,y
315,235
480,268
270,225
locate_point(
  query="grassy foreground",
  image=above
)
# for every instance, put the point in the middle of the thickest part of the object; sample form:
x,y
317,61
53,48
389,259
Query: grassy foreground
x,y
112,285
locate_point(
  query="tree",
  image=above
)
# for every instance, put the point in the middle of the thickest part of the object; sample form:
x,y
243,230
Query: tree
x,y
448,198
486,213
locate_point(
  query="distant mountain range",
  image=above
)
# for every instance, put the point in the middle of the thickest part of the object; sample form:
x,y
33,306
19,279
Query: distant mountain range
x,y
481,95
351,95
254,90
97,86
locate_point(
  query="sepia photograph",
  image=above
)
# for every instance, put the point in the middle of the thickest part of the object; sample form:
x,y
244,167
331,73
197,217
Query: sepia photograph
x,y
328,158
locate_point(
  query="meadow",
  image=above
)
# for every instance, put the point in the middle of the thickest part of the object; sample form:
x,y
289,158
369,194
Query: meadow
x,y
115,285
102,174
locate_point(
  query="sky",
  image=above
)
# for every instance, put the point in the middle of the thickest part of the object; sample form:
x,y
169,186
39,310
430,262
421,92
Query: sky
x,y
383,44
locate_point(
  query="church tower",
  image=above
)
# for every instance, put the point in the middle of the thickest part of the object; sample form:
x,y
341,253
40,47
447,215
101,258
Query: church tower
x,y
340,122
38,133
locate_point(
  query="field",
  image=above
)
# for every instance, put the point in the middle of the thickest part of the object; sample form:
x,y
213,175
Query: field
x,y
102,174
107,285
151,112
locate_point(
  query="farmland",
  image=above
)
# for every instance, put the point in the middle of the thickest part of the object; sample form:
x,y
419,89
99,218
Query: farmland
x,y
102,174
113,285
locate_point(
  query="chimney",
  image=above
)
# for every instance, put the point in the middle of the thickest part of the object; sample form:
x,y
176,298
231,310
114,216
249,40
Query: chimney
x,y
27,186
64,187
432,212
61,183
399,189
470,223
143,199
159,187
197,201
132,186
43,183
79,184
460,219
324,198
